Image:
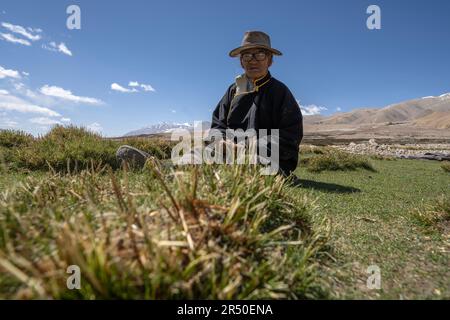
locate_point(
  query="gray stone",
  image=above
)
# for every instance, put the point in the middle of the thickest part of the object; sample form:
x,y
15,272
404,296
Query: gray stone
x,y
135,158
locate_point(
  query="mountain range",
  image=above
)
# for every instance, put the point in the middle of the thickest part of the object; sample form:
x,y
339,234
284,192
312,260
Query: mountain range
x,y
168,127
431,112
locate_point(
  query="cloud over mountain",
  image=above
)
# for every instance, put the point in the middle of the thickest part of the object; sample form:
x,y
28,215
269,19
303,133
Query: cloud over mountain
x,y
61,93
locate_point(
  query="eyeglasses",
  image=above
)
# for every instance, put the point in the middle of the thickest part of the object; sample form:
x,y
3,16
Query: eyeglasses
x,y
259,56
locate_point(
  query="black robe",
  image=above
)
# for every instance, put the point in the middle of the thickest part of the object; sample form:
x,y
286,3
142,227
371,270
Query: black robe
x,y
270,105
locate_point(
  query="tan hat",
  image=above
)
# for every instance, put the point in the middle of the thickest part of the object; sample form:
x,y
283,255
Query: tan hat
x,y
254,39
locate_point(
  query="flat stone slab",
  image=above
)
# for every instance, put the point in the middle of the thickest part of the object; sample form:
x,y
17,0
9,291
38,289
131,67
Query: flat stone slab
x,y
429,156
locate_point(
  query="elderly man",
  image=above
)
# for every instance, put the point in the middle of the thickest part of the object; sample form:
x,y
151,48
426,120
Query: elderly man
x,y
258,101
255,101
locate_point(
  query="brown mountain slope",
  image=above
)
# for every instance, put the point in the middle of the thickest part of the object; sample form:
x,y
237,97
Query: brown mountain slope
x,y
409,111
436,120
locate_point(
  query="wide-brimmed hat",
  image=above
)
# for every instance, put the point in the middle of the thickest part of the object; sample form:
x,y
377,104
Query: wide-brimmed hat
x,y
254,39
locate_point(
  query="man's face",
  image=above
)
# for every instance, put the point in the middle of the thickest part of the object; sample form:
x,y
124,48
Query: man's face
x,y
256,66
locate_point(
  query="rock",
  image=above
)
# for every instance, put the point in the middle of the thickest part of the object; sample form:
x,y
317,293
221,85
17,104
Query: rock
x,y
439,152
429,156
135,158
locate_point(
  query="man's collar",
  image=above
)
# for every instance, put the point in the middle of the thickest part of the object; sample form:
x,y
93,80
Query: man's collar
x,y
242,83
261,81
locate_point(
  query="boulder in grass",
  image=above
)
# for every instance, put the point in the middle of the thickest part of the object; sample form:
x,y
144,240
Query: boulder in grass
x,y
135,158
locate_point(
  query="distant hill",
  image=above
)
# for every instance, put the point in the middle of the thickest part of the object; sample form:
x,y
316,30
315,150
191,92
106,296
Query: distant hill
x,y
313,119
434,112
437,120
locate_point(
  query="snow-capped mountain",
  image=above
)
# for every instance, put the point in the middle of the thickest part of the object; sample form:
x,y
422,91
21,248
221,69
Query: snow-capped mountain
x,y
442,96
166,127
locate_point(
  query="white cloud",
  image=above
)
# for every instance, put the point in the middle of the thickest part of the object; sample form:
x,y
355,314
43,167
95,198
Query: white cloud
x,y
18,98
31,34
173,111
26,74
44,121
62,48
44,129
147,87
58,48
133,85
29,93
37,105
118,87
338,109
58,92
34,96
11,38
8,123
312,110
95,127
21,30
9,73
19,86
36,30
12,103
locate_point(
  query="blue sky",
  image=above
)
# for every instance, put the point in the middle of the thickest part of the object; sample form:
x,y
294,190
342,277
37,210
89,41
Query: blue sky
x,y
179,51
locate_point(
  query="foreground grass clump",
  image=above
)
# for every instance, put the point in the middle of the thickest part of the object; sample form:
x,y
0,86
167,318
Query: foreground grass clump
x,y
201,232
333,160
435,217
66,149
158,148
446,166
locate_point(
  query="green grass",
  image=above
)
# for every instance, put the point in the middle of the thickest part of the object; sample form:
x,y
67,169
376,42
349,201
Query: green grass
x,y
335,160
204,233
446,166
12,138
435,217
374,219
67,149
217,231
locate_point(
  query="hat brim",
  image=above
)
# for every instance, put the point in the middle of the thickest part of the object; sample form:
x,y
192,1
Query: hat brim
x,y
235,52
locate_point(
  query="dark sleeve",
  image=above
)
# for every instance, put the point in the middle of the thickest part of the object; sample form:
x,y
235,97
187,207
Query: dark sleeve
x,y
219,117
291,131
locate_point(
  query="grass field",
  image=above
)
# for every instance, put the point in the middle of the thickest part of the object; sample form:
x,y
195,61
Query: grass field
x,y
376,218
218,232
